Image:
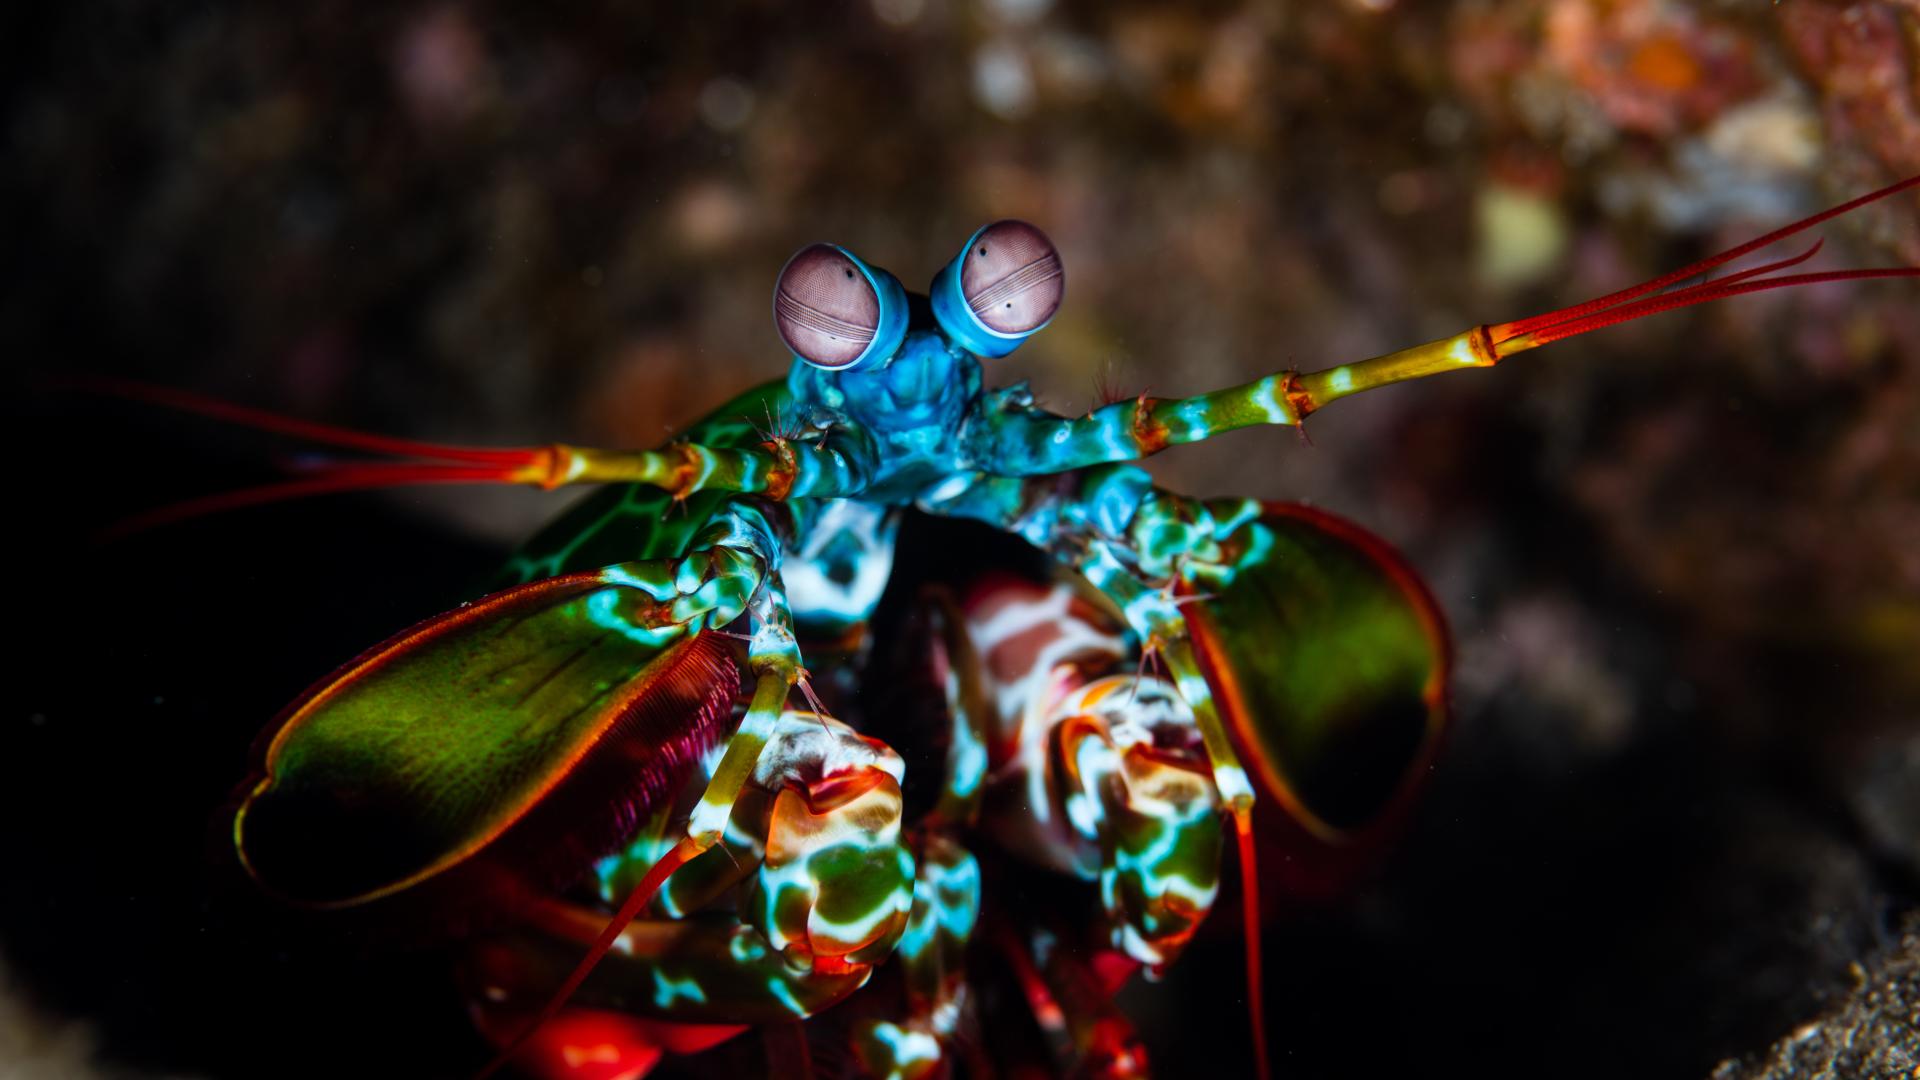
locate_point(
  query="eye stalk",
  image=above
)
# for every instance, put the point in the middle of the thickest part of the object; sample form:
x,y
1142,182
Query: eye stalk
x,y
1004,285
836,312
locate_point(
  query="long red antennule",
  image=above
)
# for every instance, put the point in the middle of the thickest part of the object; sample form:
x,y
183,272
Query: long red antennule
x,y
1250,931
329,479
262,420
419,462
1626,305
1484,346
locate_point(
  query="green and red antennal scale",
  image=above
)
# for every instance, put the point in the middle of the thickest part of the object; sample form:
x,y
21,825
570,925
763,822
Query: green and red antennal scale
x,y
568,728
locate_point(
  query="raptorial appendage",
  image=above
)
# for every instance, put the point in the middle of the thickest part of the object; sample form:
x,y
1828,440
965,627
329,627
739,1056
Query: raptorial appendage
x,y
811,887
504,714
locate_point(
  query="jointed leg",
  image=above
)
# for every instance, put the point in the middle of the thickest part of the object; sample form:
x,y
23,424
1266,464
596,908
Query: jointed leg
x,y
774,660
1009,437
1085,1033
1169,634
833,467
834,461
932,957
957,663
1149,551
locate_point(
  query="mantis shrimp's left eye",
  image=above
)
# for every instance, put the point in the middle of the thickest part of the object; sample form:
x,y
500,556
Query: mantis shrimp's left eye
x,y
1002,287
836,312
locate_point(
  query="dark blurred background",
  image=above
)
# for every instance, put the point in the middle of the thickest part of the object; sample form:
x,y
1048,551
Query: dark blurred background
x,y
1679,817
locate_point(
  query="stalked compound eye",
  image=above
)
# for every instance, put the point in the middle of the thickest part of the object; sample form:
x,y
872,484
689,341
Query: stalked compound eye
x,y
835,311
1004,285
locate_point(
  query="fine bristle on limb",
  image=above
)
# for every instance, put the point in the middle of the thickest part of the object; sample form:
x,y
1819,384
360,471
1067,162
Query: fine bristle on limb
x,y
664,746
639,764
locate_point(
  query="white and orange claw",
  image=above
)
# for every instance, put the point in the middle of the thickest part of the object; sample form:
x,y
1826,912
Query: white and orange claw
x,y
1134,784
836,885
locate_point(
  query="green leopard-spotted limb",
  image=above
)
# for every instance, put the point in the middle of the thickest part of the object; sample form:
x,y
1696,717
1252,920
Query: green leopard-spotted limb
x,y
706,878
1286,580
1102,772
625,522
1138,545
1152,815
836,882
932,954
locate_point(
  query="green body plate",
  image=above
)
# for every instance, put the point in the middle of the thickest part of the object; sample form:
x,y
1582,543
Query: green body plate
x,y
424,752
1329,660
627,522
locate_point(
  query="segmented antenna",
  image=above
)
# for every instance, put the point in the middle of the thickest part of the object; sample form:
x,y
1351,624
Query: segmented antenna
x,y
1626,305
1484,346
419,462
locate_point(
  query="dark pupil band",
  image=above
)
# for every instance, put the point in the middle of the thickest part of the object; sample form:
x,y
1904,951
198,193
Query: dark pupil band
x,y
1011,278
1041,270
799,314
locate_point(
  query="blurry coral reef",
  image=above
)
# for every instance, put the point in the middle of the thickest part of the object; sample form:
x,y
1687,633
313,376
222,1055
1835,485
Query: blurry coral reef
x,y
1681,558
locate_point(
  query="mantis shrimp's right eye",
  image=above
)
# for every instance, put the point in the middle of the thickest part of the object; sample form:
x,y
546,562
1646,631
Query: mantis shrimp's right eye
x,y
1004,285
835,311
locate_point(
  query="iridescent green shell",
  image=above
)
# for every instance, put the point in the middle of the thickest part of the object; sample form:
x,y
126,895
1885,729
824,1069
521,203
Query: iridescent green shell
x,y
510,739
1329,661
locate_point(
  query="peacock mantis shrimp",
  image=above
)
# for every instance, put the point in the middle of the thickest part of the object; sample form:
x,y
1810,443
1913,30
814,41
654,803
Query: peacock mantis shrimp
x,y
642,856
